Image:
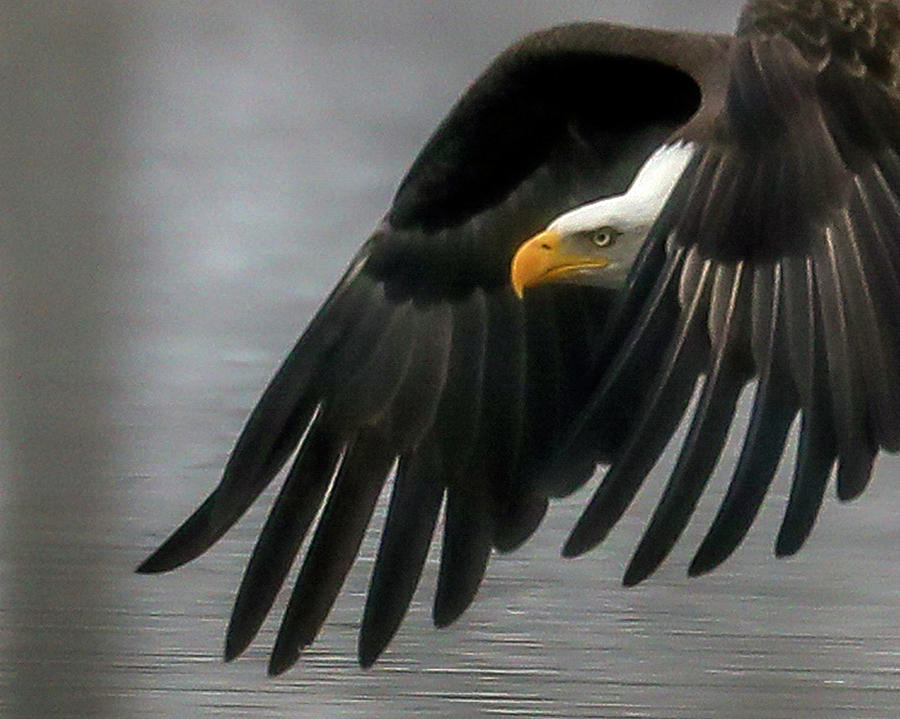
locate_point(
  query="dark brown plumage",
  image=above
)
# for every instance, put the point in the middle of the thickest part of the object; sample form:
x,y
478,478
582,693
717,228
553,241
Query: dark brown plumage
x,y
776,259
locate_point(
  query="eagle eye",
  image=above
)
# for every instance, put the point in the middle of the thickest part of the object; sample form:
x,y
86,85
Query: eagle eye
x,y
604,236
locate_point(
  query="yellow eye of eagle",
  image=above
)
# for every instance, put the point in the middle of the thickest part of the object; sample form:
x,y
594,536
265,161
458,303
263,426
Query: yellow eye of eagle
x,y
604,236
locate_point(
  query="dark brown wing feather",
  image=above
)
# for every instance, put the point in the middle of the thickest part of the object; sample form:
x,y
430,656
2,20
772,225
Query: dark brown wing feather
x,y
783,237
424,357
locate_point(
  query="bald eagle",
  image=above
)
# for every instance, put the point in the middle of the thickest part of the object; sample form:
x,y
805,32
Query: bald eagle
x,y
553,281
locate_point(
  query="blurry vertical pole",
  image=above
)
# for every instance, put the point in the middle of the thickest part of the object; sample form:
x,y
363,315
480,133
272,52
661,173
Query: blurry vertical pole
x,y
58,341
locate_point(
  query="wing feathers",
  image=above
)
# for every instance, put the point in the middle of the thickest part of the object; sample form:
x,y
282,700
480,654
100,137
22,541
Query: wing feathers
x,y
709,428
415,503
415,403
229,500
468,537
666,403
609,409
800,323
504,410
281,416
771,190
773,410
869,292
366,394
843,368
334,546
460,408
288,522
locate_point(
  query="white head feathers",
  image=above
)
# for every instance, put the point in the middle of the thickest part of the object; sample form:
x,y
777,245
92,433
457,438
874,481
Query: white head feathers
x,y
634,212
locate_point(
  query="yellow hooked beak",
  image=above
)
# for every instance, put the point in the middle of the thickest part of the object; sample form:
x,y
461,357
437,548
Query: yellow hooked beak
x,y
542,259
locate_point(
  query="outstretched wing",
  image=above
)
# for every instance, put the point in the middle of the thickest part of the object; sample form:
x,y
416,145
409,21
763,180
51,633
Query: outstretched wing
x,y
423,357
777,259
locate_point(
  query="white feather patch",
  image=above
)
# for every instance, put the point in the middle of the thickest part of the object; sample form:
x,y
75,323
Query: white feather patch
x,y
638,208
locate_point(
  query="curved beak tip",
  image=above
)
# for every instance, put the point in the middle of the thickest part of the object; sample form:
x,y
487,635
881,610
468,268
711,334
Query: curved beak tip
x,y
531,260
518,288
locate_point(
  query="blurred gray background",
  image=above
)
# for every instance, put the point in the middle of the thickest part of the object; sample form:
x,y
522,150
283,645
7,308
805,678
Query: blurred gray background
x,y
181,184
